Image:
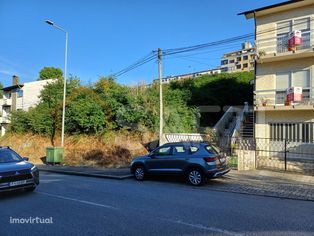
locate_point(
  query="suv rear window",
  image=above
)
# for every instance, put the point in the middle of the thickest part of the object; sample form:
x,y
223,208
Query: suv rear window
x,y
211,149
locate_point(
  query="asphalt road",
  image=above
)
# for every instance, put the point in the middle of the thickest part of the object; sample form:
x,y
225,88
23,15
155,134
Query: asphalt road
x,y
91,206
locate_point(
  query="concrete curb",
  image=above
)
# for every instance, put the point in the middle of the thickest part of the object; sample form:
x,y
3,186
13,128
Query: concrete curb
x,y
66,172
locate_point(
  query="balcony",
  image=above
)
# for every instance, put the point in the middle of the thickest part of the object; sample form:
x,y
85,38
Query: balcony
x,y
4,120
276,49
7,102
274,101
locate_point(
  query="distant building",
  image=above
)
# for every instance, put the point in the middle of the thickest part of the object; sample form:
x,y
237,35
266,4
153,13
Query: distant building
x,y
168,79
19,97
239,61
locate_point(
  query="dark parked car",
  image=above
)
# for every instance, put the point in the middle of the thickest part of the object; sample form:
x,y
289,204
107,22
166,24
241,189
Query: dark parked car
x,y
197,161
16,172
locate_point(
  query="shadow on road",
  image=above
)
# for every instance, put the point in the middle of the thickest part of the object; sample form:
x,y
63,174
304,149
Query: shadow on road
x,y
14,194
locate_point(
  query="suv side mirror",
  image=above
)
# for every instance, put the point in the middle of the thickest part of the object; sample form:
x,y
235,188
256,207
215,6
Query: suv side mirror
x,y
152,155
25,158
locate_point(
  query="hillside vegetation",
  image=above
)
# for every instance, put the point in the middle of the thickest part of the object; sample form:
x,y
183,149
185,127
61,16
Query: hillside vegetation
x,y
99,113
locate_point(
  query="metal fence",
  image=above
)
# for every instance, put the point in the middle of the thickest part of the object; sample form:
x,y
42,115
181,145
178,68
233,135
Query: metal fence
x,y
284,154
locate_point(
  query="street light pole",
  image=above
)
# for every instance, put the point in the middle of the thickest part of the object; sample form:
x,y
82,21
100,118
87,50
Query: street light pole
x,y
65,76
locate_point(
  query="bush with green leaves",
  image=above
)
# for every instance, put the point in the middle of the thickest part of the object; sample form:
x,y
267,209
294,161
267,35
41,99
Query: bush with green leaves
x,y
108,106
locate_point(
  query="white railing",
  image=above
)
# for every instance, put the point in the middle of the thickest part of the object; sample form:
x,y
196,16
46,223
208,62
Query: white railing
x,y
4,120
240,120
184,137
225,120
7,102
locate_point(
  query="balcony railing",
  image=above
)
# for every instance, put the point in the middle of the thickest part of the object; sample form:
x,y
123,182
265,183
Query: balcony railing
x,y
7,102
277,98
4,120
279,44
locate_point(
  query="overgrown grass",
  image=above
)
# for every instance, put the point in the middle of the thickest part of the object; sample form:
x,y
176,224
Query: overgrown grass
x,y
115,149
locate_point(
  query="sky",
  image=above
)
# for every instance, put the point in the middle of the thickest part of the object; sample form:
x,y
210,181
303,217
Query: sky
x,y
106,36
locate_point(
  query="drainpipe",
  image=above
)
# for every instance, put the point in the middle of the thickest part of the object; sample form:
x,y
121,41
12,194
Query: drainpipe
x,y
255,67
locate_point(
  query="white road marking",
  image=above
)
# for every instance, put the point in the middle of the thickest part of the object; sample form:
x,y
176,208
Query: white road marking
x,y
203,227
80,201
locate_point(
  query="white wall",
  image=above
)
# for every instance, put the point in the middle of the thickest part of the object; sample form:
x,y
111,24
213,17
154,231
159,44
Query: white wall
x,y
31,92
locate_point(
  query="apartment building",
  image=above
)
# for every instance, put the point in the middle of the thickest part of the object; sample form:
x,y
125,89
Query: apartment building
x,y
239,61
168,79
19,97
282,66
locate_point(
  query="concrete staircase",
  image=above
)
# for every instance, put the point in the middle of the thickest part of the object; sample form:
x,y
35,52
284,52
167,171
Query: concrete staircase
x,y
247,130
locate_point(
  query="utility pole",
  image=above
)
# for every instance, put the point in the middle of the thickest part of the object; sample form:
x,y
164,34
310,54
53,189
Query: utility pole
x,y
161,120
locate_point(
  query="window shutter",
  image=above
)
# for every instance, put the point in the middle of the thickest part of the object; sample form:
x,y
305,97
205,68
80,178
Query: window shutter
x,y
284,27
282,81
302,24
301,79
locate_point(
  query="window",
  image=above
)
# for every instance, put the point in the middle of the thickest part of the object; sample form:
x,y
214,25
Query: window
x,y
231,61
224,62
245,58
19,93
238,66
7,155
245,65
282,81
179,150
295,132
212,150
285,80
301,79
224,69
303,25
238,58
162,151
193,149
284,28
7,95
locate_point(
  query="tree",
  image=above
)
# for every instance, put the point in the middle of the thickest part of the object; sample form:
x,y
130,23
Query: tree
x,y
85,113
50,73
52,99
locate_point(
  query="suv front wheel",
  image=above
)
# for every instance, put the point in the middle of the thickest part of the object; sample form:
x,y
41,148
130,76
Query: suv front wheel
x,y
139,173
195,177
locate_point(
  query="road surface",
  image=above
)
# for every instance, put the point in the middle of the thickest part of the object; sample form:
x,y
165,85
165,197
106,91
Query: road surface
x,y
91,206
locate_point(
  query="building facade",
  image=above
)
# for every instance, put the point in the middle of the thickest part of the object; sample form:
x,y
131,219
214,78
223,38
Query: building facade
x,y
239,61
19,97
279,68
168,79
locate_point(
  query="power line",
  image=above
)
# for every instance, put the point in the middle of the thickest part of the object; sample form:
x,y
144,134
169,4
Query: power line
x,y
153,55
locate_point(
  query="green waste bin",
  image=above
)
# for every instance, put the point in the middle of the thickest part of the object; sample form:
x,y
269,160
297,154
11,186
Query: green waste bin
x,y
54,154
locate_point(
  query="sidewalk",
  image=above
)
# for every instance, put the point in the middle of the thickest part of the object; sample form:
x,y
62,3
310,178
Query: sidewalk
x,y
111,173
266,183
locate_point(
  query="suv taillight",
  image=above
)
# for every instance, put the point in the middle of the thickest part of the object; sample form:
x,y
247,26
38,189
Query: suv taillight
x,y
210,160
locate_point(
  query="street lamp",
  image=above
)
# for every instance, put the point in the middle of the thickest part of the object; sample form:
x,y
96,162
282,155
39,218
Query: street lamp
x,y
49,22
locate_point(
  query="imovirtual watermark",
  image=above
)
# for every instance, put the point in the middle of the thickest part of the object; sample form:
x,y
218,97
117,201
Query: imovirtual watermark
x,y
31,220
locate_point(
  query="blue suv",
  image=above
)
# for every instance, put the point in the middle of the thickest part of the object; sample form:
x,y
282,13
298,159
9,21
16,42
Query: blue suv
x,y
195,160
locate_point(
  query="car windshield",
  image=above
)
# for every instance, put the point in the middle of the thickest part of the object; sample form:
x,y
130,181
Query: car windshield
x,y
7,155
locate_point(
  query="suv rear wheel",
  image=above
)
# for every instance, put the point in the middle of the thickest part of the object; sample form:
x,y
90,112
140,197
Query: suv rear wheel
x,y
139,173
195,177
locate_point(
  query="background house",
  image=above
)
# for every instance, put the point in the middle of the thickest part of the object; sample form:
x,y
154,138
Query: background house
x,y
19,97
